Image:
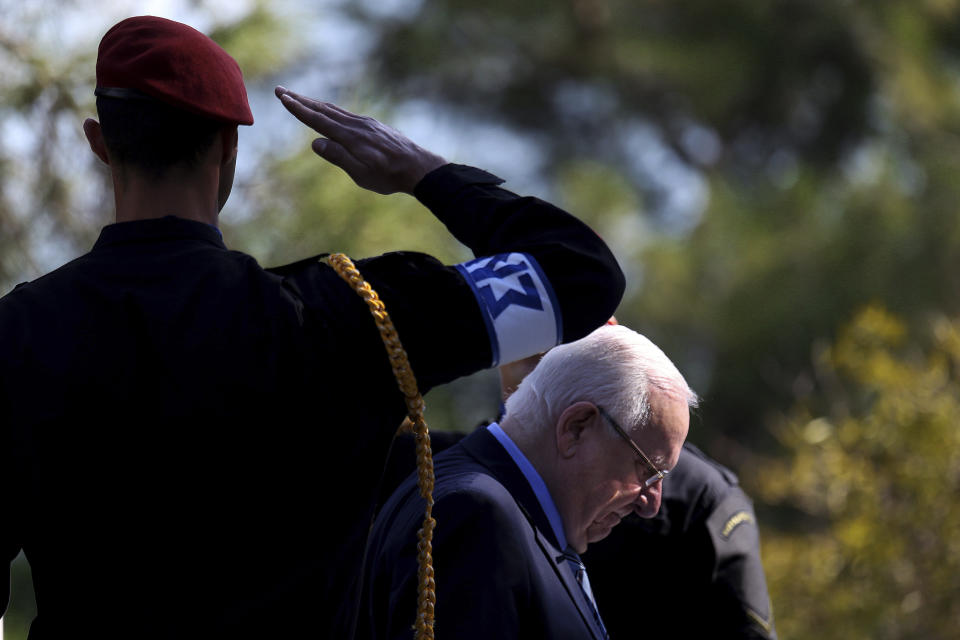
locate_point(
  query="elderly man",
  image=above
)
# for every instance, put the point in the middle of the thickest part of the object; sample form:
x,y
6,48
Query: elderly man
x,y
587,438
704,541
190,443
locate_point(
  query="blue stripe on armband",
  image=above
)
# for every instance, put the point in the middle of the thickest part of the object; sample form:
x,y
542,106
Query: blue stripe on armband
x,y
518,304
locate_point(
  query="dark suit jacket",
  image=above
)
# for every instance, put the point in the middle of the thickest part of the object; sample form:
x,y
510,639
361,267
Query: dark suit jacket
x,y
499,571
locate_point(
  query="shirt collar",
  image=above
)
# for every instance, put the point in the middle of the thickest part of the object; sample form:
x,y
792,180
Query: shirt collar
x,y
168,227
536,482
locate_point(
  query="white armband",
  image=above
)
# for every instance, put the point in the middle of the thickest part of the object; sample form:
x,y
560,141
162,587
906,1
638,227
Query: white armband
x,y
517,303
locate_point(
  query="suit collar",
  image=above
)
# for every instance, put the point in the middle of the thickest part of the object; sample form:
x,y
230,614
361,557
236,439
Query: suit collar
x,y
534,479
483,446
485,449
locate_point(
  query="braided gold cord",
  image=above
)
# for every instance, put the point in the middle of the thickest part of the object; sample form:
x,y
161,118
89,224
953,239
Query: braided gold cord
x,y
426,587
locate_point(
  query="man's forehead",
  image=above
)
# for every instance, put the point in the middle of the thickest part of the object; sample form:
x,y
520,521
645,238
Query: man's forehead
x,y
662,450
666,429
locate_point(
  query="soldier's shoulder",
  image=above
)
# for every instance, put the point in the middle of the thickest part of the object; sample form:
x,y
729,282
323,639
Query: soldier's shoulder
x,y
702,469
38,288
698,479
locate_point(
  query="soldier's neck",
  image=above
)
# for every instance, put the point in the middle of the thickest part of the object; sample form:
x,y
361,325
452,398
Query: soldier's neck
x,y
190,194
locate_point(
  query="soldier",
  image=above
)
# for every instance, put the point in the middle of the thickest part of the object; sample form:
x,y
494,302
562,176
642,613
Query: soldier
x,y
190,443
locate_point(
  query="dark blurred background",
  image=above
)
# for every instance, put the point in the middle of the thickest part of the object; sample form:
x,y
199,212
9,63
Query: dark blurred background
x,y
778,180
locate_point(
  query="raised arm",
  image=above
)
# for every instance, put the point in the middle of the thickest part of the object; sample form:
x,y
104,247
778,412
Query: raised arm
x,y
541,276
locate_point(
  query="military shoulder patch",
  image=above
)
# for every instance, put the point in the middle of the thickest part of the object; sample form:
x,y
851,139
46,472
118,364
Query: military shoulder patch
x,y
737,519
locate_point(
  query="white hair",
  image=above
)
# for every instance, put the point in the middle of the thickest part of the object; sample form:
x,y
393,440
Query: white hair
x,y
613,367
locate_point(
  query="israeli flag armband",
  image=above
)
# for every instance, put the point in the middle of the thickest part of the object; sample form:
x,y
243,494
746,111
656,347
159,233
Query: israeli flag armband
x,y
518,305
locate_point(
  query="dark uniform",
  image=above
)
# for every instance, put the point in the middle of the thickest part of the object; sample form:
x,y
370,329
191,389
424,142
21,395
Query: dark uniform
x,y
691,571
190,445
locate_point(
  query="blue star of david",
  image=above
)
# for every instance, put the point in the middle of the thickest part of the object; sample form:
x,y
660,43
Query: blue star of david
x,y
529,297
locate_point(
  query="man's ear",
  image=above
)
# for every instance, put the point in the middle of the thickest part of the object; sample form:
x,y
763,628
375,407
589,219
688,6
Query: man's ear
x,y
91,129
571,425
228,144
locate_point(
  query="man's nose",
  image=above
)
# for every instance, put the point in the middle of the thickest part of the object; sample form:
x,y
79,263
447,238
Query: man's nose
x,y
648,501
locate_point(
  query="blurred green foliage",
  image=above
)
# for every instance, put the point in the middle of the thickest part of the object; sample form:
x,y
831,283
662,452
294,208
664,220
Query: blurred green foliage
x,y
872,547
823,135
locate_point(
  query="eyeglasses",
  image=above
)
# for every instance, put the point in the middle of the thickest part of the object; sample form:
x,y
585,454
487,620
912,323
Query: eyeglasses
x,y
657,473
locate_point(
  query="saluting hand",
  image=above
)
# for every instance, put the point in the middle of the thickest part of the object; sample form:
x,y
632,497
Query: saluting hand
x,y
376,156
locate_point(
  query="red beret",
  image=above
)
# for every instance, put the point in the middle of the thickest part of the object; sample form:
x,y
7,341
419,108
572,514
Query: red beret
x,y
172,63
